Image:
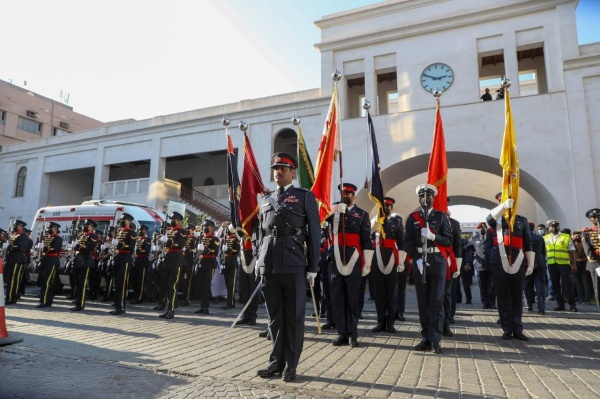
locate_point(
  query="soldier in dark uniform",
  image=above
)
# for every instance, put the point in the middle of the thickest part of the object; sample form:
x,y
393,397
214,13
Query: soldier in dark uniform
x,y
452,278
84,261
323,270
49,263
231,249
174,261
591,246
209,249
486,282
388,261
287,255
94,280
537,280
350,257
125,243
24,274
435,231
509,277
248,283
185,285
143,247
15,260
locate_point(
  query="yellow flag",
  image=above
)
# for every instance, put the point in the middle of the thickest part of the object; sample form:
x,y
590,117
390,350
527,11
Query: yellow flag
x,y
509,160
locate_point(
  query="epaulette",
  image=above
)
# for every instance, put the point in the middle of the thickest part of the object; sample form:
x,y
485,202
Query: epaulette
x,y
301,188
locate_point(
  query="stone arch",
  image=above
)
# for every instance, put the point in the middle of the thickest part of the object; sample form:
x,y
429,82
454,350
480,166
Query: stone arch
x,y
473,179
286,140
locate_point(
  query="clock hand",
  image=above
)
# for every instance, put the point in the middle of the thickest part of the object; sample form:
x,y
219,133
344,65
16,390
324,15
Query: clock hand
x,y
432,77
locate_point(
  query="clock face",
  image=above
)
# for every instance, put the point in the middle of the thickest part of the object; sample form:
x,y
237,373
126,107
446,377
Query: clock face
x,y
437,74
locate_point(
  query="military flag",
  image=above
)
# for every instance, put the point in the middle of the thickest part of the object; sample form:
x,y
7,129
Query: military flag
x,y
376,189
328,150
251,186
509,160
437,172
233,182
304,173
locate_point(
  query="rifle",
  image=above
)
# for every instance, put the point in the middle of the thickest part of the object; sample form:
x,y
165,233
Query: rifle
x,y
70,258
38,256
424,239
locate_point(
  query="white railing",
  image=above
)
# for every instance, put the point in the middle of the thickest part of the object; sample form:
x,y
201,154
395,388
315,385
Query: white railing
x,y
125,188
215,192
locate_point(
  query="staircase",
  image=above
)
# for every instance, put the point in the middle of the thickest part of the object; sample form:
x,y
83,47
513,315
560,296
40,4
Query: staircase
x,y
212,208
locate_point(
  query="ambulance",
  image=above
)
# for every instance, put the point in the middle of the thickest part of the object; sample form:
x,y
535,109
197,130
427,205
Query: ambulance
x,y
105,213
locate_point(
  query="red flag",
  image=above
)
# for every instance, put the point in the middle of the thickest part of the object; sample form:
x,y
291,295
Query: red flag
x,y
251,186
437,172
325,157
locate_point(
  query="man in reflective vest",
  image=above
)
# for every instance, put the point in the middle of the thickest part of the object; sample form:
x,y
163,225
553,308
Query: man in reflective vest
x,y
560,252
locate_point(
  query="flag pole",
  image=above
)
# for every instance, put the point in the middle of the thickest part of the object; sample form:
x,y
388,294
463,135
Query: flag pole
x,y
337,76
366,104
505,83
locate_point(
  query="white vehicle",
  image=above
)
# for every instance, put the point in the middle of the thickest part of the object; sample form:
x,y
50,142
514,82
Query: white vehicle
x,y
105,213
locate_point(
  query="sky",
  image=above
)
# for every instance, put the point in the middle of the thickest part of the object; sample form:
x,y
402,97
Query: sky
x,y
139,59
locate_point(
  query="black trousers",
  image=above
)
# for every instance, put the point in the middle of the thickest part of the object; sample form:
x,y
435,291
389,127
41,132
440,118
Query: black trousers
x,y
345,292
12,271
487,288
535,289
230,275
122,267
204,277
285,297
47,289
140,276
447,313
430,299
81,279
402,279
386,294
562,285
467,279
325,306
247,287
509,295
185,284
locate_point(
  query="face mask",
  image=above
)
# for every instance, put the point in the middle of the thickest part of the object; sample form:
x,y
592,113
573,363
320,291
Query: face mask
x,y
541,232
122,224
386,211
578,239
48,232
346,200
482,232
554,230
197,233
173,223
206,230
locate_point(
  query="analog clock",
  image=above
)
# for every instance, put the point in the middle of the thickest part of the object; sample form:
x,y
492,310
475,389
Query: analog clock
x,y
437,74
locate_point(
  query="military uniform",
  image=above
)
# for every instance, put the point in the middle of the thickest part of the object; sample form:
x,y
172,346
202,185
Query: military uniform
x,y
509,278
173,263
287,249
123,263
84,261
487,291
591,245
430,294
537,280
143,248
208,264
15,261
385,271
454,255
230,267
189,250
49,263
351,233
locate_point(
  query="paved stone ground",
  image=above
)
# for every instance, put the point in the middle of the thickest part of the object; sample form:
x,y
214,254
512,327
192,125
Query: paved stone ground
x,y
92,354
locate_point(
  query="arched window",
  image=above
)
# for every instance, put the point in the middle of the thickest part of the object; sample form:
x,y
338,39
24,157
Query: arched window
x,y
20,187
286,140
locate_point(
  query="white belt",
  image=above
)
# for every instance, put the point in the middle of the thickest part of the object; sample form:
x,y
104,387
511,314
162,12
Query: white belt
x,y
429,250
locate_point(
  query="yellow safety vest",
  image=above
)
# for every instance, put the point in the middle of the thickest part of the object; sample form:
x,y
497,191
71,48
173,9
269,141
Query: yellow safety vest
x,y
558,252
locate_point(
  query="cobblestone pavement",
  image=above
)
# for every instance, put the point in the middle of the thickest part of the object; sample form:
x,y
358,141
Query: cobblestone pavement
x,y
92,354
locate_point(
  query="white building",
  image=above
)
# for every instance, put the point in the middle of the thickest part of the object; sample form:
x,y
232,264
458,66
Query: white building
x,y
384,51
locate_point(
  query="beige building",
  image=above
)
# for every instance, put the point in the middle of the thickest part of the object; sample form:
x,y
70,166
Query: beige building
x,y
27,116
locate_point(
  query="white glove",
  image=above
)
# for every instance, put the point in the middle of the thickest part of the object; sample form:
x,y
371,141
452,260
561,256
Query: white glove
x,y
366,270
102,247
200,247
5,245
311,278
425,232
530,262
420,265
73,244
231,229
339,208
114,241
261,270
368,256
224,247
456,274
499,210
401,267
374,222
40,245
